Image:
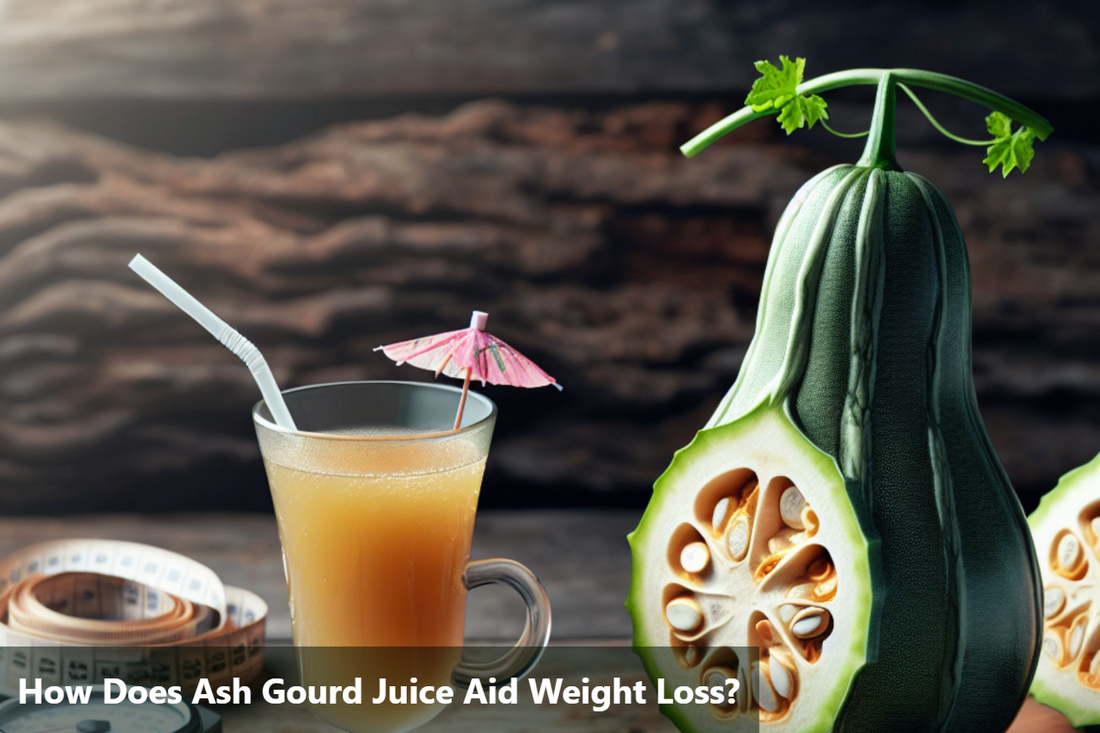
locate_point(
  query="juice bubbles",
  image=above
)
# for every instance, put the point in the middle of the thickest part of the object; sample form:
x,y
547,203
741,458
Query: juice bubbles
x,y
376,536
375,546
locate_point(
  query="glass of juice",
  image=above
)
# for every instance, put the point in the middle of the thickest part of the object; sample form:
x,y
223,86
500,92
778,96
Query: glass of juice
x,y
375,497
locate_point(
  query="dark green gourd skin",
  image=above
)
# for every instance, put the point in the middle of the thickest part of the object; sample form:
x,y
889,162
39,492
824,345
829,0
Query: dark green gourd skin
x,y
864,336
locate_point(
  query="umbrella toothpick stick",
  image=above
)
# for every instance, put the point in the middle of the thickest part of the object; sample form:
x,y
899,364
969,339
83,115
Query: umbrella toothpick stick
x,y
443,365
462,401
469,354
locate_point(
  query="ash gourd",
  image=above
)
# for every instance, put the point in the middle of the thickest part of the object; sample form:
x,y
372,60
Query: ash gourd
x,y
843,510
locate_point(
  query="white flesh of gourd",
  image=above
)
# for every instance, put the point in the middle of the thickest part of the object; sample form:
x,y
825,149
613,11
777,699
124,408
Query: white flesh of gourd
x,y
739,610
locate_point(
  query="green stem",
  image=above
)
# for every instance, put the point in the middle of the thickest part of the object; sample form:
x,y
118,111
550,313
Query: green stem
x,y
843,134
853,77
879,151
943,130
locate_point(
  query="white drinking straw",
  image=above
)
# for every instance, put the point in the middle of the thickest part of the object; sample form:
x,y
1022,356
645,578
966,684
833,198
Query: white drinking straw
x,y
223,332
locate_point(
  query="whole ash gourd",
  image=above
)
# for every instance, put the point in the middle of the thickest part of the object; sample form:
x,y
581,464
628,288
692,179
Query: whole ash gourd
x,y
843,511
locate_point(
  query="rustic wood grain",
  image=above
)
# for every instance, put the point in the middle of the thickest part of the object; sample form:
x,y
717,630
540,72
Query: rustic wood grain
x,y
287,48
629,273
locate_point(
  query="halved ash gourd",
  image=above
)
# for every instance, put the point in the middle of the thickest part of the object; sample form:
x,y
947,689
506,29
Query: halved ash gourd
x,y
1066,530
841,537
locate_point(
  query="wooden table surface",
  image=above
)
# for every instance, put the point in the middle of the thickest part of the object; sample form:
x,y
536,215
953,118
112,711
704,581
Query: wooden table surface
x,y
581,557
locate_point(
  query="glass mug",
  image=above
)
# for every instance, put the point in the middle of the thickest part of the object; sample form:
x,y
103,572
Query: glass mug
x,y
375,497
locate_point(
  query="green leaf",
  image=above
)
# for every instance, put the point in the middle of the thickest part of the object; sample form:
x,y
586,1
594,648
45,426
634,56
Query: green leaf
x,y
999,125
776,90
776,86
1009,149
802,110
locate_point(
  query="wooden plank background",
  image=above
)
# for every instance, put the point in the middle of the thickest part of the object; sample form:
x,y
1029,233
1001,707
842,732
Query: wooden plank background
x,y
630,273
293,49
565,209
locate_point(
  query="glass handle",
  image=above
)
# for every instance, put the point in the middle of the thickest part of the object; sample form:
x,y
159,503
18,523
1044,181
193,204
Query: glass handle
x,y
521,658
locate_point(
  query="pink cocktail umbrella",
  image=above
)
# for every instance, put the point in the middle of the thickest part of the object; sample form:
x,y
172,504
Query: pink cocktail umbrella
x,y
470,353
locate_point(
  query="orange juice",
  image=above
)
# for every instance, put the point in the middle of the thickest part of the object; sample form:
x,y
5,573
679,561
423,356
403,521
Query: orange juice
x,y
376,536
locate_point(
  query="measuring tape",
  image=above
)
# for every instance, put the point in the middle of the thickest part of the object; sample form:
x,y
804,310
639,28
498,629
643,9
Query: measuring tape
x,y
76,612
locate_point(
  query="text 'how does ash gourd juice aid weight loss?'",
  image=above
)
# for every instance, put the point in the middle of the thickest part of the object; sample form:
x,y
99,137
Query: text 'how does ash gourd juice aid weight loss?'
x,y
375,486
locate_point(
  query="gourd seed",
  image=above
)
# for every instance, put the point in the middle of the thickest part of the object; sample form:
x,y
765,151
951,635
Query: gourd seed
x,y
781,679
1054,599
810,622
721,509
1052,647
738,539
695,557
802,590
1069,551
819,569
762,687
1077,638
684,614
791,505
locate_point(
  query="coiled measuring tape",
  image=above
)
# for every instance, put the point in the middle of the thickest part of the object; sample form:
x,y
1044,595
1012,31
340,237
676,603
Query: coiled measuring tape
x,y
76,612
